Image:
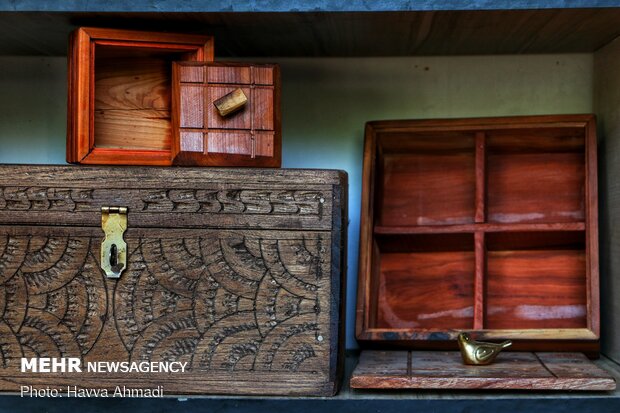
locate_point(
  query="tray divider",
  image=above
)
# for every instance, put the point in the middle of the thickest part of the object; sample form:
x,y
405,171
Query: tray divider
x,y
480,216
479,280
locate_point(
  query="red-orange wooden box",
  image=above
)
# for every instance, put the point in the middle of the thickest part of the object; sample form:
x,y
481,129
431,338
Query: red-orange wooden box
x,y
119,104
484,225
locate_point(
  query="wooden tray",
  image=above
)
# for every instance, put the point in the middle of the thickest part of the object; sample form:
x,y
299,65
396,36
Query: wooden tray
x,y
511,371
485,225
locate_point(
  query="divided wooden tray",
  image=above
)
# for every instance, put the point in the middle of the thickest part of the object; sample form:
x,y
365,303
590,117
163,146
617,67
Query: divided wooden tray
x,y
511,371
484,225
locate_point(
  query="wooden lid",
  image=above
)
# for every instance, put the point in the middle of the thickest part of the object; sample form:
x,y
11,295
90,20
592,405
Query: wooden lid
x,y
248,136
169,197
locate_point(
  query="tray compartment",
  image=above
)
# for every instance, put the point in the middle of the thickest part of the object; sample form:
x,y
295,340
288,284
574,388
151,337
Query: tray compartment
x,y
425,282
536,175
536,280
446,166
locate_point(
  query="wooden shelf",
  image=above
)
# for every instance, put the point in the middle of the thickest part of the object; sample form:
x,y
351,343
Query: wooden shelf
x,y
349,400
332,28
294,5
359,28
482,227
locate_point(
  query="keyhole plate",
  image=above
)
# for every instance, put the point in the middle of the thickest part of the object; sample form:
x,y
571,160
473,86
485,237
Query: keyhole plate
x,y
113,246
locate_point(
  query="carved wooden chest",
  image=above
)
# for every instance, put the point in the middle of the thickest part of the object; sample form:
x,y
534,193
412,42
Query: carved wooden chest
x,y
237,273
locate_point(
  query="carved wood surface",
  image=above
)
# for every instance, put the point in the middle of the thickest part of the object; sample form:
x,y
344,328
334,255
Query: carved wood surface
x,y
191,198
251,311
224,302
511,370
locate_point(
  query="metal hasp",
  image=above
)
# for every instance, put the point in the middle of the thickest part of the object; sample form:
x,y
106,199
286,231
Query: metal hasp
x,y
113,246
479,353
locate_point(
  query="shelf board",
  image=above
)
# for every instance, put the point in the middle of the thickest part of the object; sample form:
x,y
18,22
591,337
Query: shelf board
x,y
483,227
275,29
292,5
349,400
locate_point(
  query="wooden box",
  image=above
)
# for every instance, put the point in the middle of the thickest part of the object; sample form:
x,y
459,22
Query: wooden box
x,y
487,226
237,273
119,105
482,225
250,136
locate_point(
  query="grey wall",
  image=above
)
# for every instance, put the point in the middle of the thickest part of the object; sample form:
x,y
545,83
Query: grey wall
x,y
325,104
607,106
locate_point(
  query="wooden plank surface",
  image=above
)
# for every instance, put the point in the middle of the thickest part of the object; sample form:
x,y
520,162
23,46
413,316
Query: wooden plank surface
x,y
426,290
336,34
446,198
536,289
511,371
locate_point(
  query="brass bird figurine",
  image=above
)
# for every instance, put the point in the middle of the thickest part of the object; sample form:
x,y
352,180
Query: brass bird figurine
x,y
479,353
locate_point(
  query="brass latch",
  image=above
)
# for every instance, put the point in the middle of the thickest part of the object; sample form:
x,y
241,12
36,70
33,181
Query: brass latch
x,y
113,246
231,103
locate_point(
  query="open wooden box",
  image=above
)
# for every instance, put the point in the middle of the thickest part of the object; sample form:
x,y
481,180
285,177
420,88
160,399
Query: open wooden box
x,y
119,106
480,225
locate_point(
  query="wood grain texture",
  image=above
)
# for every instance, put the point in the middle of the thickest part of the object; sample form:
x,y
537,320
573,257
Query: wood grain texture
x,y
250,136
117,80
253,308
446,198
480,276
536,187
426,290
191,98
592,232
370,29
536,289
192,197
133,129
517,189
485,227
511,371
131,83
